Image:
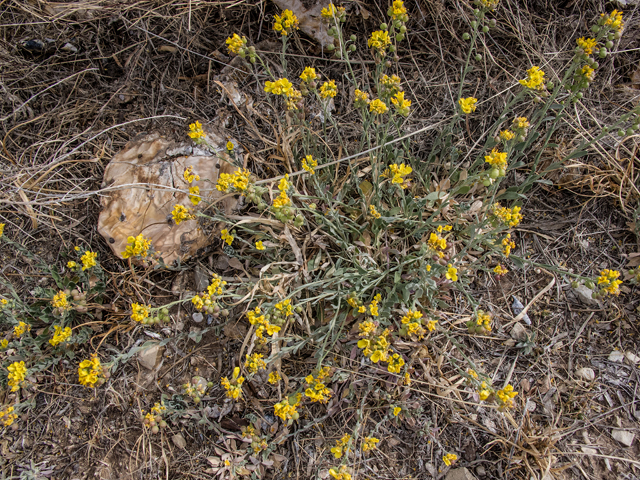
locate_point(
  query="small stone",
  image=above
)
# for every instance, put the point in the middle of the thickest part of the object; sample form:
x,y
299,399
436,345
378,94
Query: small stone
x,y
616,356
589,451
518,332
197,317
179,441
586,374
480,470
150,357
201,278
632,358
460,474
584,294
525,385
67,47
623,436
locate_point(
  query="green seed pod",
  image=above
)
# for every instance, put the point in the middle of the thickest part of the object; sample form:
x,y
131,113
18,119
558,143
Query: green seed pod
x,y
595,29
589,284
474,25
397,24
485,29
331,47
574,284
609,44
478,57
163,424
476,12
550,85
617,35
403,29
384,26
209,384
353,38
602,53
621,133
493,23
494,173
352,48
466,36
629,131
502,172
399,37
155,430
579,95
486,182
392,48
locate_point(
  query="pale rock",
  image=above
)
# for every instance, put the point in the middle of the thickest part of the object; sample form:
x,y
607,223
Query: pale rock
x,y
616,356
481,471
518,332
143,183
586,374
589,451
460,474
179,441
624,437
632,358
150,357
584,294
309,18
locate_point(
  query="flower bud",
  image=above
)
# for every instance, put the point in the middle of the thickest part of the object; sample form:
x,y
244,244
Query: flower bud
x,y
353,38
485,29
383,26
609,44
466,36
478,57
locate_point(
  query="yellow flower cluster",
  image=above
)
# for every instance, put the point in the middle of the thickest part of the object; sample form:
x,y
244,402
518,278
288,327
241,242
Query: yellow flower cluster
x,y
283,200
500,270
88,260
308,74
137,247
587,44
390,85
373,306
613,20
449,459
342,446
90,372
483,320
260,245
279,87
17,374
286,23
60,335
194,194
180,213
196,132
274,378
402,105
468,105
506,396
452,273
437,244
379,41
308,163
256,318
287,408
316,390
506,135
340,473
374,213
233,386
7,417
361,98
377,107
412,325
608,279
285,307
397,11
534,80
377,348
397,174
139,312
508,216
2,225
235,43
255,362
189,176
520,123
587,72
332,12
238,180
507,245
21,329
60,300
370,443
496,159
328,89
226,236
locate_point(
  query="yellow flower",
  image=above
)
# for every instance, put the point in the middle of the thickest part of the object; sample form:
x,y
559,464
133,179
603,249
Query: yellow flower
x,y
506,396
255,362
507,245
17,374
496,159
274,378
449,458
215,287
500,270
7,417
390,84
468,104
377,107
396,362
587,71
72,264
361,98
189,176
233,386
373,307
293,98
613,20
587,44
137,247
260,246
483,320
374,213
4,343
230,146
402,105
308,163
520,123
340,474
396,411
332,12
286,23
286,409
508,216
139,312
279,87
534,80
2,225
194,195
507,135
370,443
235,43
180,214
60,300
397,11
226,236
21,329
608,279
397,172
60,335
328,89
195,131
90,372
239,181
452,273
490,4
379,41
88,260
308,74
341,447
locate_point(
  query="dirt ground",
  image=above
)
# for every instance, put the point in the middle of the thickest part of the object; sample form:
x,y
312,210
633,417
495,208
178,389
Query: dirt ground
x,y
79,80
